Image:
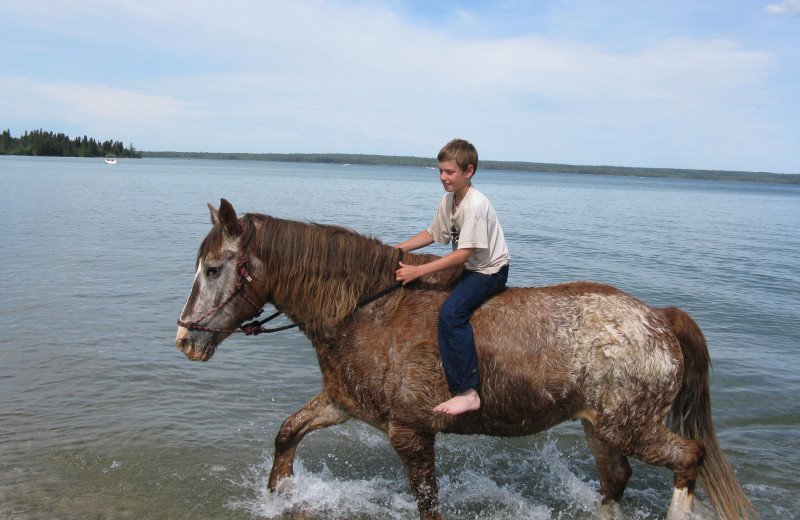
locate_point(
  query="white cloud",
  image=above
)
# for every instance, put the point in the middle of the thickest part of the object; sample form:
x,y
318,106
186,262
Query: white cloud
x,y
353,77
100,111
526,98
87,102
787,7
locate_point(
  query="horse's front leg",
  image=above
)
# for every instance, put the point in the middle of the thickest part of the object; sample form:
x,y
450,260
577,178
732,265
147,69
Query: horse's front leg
x,y
318,413
416,451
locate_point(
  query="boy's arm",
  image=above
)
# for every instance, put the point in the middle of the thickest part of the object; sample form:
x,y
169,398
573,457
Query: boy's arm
x,y
409,273
421,239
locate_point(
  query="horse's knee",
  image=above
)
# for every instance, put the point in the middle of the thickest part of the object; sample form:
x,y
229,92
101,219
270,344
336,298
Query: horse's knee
x,y
686,463
286,437
318,413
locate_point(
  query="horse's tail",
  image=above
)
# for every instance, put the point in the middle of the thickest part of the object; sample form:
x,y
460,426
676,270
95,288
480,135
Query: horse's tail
x,y
690,418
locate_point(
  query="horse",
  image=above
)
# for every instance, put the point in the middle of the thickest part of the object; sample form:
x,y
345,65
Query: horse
x,y
635,376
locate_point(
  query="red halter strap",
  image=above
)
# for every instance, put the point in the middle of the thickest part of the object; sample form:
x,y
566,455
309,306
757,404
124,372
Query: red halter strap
x,y
239,288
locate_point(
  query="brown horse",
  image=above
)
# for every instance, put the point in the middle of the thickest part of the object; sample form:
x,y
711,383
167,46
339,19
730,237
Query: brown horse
x,y
636,376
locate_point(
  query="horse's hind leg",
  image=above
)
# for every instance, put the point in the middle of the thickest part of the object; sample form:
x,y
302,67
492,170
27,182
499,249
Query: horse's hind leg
x,y
656,444
683,457
416,451
612,465
317,413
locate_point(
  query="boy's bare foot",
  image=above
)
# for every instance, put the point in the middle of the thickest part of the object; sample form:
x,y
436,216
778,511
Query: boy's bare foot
x,y
468,401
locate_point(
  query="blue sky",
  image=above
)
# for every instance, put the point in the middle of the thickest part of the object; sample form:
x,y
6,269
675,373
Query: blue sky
x,y
701,84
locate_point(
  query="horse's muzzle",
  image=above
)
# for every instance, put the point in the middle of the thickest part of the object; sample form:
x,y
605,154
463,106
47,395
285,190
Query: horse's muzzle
x,y
186,342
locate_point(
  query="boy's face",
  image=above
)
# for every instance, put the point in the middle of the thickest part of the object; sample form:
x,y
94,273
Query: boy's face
x,y
453,178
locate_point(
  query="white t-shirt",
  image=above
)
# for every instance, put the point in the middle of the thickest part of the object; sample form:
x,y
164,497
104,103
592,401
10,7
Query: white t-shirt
x,y
473,225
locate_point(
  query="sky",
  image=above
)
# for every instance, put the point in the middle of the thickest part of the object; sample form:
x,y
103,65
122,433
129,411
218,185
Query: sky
x,y
678,84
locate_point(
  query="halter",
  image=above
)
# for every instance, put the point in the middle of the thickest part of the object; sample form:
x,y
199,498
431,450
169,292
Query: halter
x,y
256,327
241,277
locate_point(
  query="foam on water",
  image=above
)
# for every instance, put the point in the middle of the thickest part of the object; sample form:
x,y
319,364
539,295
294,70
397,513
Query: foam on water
x,y
543,485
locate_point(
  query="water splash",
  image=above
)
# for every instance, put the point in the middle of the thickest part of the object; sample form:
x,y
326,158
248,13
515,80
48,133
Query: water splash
x,y
479,478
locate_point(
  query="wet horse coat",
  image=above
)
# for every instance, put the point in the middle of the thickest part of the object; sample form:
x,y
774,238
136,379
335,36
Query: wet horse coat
x,y
574,351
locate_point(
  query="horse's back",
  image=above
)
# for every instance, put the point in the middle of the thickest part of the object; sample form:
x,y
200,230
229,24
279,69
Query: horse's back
x,y
586,344
546,354
574,317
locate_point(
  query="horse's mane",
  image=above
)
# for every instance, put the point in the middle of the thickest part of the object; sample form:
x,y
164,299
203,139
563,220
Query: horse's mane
x,y
327,269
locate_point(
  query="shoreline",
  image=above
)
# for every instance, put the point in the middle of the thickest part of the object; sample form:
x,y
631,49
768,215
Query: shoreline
x,y
520,166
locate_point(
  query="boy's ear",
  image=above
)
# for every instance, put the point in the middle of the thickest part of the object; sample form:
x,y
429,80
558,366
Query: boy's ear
x,y
470,171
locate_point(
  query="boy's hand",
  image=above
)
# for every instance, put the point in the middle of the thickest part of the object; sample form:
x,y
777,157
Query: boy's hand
x,y
408,273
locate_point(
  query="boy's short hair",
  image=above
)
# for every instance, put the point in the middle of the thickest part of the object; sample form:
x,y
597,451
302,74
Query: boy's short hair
x,y
460,151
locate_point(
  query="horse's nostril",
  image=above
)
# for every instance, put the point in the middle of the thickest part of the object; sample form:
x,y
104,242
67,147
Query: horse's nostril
x,y
183,344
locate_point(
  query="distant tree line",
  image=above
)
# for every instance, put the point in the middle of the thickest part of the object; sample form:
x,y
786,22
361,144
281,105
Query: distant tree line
x,y
39,142
324,158
427,162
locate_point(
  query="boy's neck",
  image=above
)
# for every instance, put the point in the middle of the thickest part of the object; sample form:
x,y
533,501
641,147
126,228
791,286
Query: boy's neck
x,y
459,195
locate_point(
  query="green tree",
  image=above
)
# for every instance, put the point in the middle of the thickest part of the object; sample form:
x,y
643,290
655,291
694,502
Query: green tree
x,y
48,143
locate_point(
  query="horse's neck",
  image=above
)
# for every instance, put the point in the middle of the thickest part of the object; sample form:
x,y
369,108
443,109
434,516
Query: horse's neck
x,y
321,279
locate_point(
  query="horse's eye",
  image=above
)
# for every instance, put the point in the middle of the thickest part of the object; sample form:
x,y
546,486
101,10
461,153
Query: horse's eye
x,y
211,271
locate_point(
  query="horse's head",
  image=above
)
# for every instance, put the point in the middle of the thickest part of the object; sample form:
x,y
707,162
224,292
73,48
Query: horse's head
x,y
222,295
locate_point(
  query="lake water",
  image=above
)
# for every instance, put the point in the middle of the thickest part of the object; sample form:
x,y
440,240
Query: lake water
x,y
101,417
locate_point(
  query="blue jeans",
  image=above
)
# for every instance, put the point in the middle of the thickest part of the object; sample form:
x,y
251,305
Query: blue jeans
x,y
456,345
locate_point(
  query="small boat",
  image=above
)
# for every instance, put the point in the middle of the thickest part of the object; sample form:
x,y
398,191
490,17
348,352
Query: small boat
x,y
111,159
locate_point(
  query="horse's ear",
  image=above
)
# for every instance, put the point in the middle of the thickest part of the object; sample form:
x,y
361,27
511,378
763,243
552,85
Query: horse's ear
x,y
214,215
227,217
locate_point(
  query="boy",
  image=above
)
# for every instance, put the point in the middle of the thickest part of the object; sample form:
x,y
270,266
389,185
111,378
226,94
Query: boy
x,y
466,219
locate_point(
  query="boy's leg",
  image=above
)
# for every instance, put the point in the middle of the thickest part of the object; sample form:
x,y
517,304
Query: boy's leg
x,y
456,343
